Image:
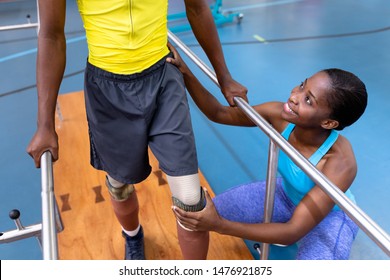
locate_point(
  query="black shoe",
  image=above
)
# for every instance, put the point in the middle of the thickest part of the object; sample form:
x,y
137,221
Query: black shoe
x,y
134,246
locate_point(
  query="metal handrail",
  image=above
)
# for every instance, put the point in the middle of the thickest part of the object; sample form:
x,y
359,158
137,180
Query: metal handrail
x,y
376,233
19,26
51,221
45,232
23,26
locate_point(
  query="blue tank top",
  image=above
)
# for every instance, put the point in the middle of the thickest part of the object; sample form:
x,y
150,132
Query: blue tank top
x,y
296,183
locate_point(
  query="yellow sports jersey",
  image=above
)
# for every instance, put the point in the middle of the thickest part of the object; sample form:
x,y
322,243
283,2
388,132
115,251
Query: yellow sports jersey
x,y
125,36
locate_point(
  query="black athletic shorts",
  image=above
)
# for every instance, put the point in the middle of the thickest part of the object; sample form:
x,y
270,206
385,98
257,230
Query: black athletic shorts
x,y
128,113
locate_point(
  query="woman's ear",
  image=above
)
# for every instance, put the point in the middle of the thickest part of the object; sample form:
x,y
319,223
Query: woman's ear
x,y
330,124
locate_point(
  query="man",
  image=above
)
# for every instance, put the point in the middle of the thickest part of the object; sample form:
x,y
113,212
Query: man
x,y
134,100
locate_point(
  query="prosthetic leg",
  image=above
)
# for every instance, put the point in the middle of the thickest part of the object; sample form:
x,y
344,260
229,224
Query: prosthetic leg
x,y
189,196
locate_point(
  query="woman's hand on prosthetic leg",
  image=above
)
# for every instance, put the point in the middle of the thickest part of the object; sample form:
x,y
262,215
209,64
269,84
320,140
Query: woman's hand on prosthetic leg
x,y
207,219
189,196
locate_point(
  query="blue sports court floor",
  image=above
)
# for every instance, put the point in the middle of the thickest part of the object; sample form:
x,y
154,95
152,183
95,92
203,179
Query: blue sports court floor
x,y
276,46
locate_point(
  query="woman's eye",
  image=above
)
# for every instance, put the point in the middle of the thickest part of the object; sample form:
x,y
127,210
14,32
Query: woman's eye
x,y
301,85
307,100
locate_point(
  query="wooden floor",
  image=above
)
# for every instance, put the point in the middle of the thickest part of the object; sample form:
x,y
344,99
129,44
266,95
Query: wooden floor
x,y
91,230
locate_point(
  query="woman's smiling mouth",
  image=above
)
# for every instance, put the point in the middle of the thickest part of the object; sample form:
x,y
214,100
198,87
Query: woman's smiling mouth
x,y
288,109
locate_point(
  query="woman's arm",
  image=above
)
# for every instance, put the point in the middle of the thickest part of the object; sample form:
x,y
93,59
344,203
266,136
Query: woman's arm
x,y
209,220
339,166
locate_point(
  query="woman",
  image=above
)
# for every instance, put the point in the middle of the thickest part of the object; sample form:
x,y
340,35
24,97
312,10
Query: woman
x,y
330,100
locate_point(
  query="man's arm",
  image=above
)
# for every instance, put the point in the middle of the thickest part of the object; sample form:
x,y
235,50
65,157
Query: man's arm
x,y
50,69
203,26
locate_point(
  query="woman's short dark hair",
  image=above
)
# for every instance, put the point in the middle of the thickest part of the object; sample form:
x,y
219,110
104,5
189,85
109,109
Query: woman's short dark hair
x,y
348,97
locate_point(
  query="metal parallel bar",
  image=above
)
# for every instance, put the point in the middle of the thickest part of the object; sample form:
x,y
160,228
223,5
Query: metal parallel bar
x,y
273,152
23,26
19,26
38,18
203,66
19,234
45,232
376,233
49,232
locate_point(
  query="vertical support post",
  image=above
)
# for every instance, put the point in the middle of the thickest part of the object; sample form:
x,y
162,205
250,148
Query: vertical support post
x,y
49,232
38,20
270,191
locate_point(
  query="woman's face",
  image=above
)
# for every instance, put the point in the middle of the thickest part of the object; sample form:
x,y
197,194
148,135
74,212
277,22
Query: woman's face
x,y
307,105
